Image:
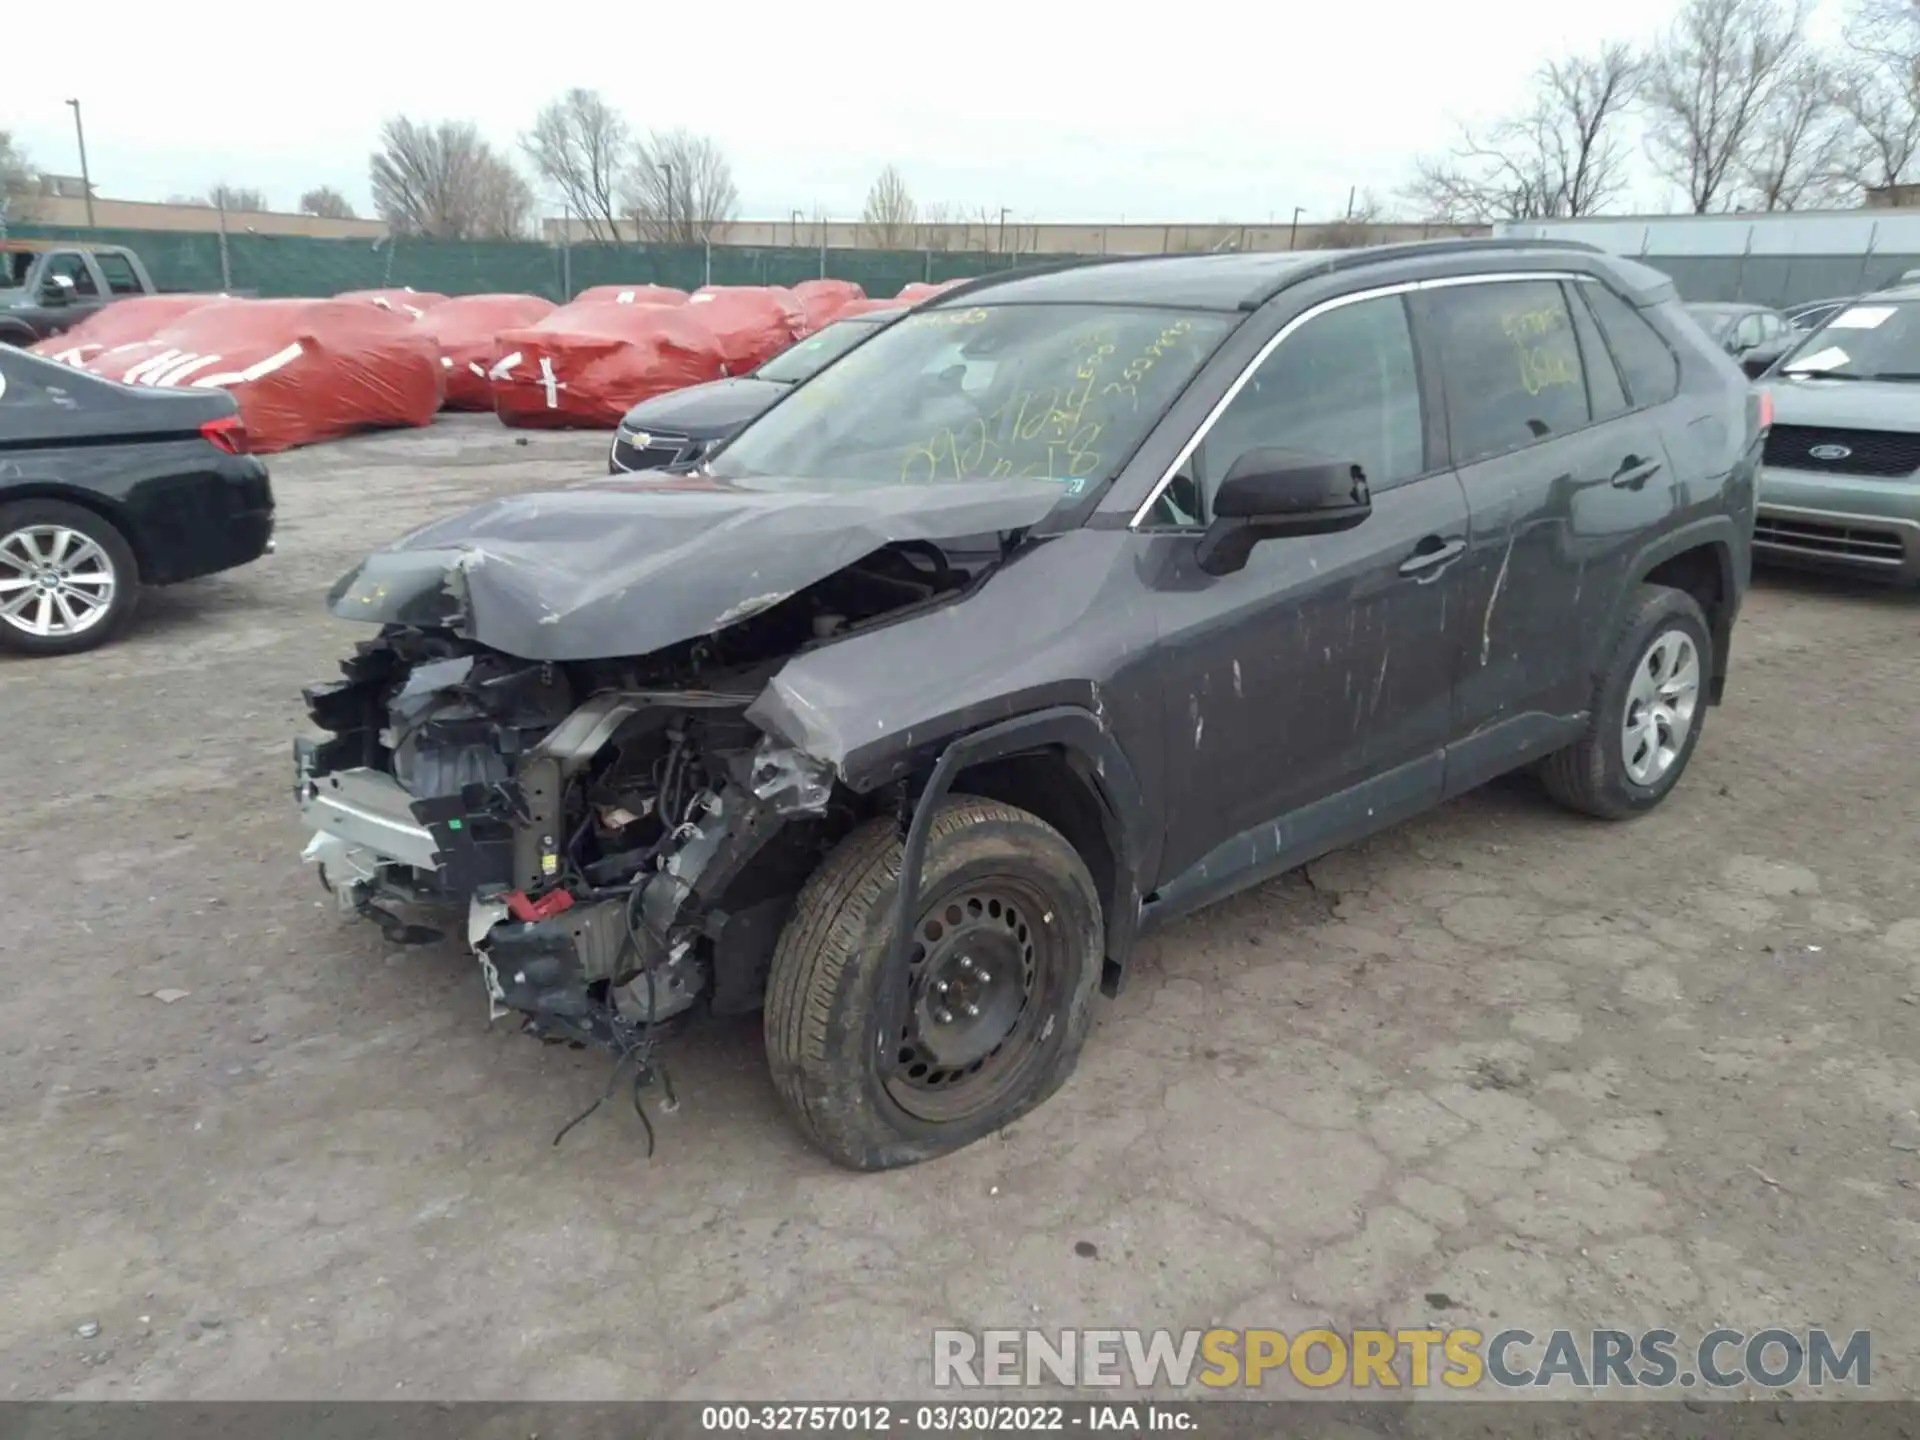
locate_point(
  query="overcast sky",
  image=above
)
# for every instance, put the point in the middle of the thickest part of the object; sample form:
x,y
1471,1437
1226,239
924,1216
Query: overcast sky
x,y
1062,110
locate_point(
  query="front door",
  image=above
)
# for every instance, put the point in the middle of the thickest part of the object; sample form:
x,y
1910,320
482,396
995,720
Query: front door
x,y
1327,661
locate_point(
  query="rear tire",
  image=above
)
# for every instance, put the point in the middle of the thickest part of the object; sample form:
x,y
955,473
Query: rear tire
x,y
1648,710
68,578
1009,924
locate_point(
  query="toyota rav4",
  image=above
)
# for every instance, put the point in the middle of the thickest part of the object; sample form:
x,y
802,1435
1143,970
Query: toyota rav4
x,y
1076,599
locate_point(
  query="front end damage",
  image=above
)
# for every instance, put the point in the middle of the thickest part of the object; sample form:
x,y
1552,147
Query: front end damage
x,y
615,840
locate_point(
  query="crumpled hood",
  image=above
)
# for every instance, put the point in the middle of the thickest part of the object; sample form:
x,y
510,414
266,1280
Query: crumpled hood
x,y
1845,404
621,567
701,412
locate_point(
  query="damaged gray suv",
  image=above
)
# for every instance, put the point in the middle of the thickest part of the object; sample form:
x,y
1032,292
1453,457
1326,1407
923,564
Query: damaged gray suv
x,y
1074,600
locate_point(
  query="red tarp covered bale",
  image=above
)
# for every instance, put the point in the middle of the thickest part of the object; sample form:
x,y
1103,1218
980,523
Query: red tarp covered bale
x,y
631,295
753,323
302,370
586,365
124,322
917,291
467,330
404,301
827,300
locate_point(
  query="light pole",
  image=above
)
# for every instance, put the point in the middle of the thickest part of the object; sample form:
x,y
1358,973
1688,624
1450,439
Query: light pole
x,y
795,222
86,180
1293,229
669,171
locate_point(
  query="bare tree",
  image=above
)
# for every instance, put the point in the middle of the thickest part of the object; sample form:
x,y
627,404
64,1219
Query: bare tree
x,y
502,201
1880,94
680,189
937,222
442,181
1563,155
1711,84
16,182
1798,154
582,146
328,203
224,197
890,216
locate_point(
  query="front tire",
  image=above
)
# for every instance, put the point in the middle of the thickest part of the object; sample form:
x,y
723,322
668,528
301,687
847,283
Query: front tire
x,y
1005,953
1648,710
68,578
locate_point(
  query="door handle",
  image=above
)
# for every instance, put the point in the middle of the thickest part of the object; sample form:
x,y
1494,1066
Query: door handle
x,y
1432,553
1633,473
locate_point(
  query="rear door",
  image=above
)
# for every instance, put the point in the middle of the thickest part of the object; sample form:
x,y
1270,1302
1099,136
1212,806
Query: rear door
x,y
1563,476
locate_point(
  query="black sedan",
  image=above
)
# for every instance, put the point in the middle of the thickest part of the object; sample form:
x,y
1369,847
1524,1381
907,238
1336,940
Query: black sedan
x,y
105,488
682,425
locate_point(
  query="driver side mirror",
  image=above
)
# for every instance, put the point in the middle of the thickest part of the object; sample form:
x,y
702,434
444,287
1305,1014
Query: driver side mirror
x,y
1273,493
57,289
1757,361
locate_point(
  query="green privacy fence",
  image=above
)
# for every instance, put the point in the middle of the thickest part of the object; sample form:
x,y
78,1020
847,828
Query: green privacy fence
x,y
304,265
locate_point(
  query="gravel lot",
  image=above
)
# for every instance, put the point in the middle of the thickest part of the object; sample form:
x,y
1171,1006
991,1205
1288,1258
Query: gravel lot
x,y
1498,1067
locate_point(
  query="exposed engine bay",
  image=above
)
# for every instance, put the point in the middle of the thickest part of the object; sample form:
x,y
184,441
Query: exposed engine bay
x,y
613,838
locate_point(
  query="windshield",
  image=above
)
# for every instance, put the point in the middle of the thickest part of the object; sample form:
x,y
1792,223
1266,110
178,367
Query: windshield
x,y
1050,392
1871,340
798,362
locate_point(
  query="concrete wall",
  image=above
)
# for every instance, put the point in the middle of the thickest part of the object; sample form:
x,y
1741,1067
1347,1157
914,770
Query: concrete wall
x,y
70,212
1042,239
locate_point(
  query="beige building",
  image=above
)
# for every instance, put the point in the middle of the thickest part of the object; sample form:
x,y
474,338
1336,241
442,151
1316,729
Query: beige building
x,y
69,210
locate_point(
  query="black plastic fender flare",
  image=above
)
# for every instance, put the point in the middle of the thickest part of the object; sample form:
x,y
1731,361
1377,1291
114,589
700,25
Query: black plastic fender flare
x,y
1123,817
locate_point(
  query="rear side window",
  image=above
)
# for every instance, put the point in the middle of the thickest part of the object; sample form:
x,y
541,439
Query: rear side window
x,y
1651,369
1512,366
118,271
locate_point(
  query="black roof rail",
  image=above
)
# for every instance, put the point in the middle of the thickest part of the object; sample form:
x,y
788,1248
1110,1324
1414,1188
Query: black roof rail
x,y
1022,272
1378,254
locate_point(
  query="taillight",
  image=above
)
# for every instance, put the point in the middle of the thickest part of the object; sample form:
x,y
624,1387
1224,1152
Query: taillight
x,y
228,433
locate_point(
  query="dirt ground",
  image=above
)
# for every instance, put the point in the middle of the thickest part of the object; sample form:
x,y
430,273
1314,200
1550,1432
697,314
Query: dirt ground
x,y
1497,1067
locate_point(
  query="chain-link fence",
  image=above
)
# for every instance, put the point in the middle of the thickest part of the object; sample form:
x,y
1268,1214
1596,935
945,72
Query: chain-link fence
x,y
303,265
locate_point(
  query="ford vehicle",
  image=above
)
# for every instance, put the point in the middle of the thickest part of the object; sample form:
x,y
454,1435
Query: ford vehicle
x,y
105,488
48,286
681,425
1073,600
1841,486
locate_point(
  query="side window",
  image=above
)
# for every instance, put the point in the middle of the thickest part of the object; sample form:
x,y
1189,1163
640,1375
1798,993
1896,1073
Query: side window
x,y
1651,369
1513,373
1605,394
74,267
118,271
1343,385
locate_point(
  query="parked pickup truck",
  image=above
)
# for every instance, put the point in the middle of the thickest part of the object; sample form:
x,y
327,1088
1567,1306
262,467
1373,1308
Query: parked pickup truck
x,y
47,286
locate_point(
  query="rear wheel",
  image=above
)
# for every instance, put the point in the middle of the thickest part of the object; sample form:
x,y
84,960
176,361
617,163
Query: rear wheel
x,y
1003,959
68,579
1647,713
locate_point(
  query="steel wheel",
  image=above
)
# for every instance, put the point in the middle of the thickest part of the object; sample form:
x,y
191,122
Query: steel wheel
x,y
56,583
980,958
1662,698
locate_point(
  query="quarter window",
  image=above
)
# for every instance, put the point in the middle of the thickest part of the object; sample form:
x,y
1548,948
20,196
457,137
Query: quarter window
x,y
1343,385
1511,365
1605,393
1651,369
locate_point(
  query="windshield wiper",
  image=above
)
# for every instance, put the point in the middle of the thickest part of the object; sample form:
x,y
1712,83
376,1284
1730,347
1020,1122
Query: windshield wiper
x,y
1819,374
1895,375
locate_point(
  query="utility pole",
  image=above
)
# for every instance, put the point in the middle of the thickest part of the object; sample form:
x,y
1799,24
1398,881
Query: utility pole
x,y
86,179
1293,230
1004,210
